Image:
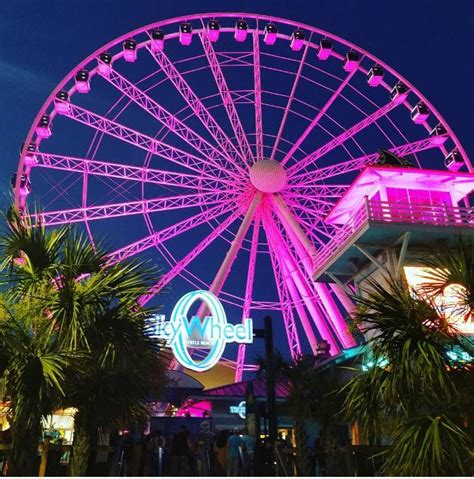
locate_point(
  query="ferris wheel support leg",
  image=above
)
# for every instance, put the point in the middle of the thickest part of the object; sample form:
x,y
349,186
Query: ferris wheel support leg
x,y
344,298
287,217
297,300
231,254
248,294
281,280
301,283
304,249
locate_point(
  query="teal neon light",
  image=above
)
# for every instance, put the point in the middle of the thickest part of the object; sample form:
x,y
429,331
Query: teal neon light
x,y
212,333
241,409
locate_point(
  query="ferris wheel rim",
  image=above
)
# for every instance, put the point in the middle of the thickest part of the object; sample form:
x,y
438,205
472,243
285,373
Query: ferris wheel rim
x,y
211,15
257,32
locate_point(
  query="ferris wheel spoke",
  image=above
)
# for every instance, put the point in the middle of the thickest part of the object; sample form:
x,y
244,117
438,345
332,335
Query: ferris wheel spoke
x,y
170,121
239,370
301,282
340,139
312,221
309,179
343,293
316,192
231,255
128,172
183,263
227,100
257,81
139,140
101,212
318,116
306,252
198,108
286,306
167,233
290,101
307,226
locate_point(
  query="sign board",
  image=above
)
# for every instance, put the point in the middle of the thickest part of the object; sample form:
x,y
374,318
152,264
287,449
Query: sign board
x,y
240,409
212,333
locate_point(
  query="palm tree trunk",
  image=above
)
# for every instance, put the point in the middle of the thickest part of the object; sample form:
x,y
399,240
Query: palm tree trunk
x,y
85,446
23,456
302,453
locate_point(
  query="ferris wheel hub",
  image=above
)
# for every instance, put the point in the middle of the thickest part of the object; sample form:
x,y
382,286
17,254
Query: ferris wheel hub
x,y
268,176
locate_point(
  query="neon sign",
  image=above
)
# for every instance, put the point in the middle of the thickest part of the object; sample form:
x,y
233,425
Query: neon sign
x,y
212,333
241,409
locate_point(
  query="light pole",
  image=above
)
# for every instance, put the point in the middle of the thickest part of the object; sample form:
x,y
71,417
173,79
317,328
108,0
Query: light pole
x,y
267,334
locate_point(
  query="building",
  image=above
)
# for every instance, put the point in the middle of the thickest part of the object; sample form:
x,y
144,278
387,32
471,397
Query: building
x,y
390,215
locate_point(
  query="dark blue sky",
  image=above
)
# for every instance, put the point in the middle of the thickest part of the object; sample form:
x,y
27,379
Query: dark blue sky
x,y
429,42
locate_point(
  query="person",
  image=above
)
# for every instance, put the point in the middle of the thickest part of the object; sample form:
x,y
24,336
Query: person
x,y
234,444
249,449
155,448
180,452
220,450
205,442
126,461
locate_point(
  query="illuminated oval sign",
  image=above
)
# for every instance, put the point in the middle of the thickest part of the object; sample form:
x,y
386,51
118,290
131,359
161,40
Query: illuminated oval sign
x,y
212,333
241,409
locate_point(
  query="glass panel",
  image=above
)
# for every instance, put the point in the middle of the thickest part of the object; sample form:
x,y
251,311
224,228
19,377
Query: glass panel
x,y
398,201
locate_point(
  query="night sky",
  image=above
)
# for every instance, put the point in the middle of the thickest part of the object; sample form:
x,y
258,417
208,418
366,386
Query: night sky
x,y
429,42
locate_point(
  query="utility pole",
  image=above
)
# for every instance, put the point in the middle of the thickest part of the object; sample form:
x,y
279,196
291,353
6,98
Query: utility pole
x,y
271,396
267,334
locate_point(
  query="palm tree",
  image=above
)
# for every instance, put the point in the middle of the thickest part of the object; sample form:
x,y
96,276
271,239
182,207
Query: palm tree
x,y
413,383
121,372
453,265
33,360
91,310
32,366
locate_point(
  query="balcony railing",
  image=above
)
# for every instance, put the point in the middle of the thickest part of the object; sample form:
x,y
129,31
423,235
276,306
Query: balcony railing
x,y
383,211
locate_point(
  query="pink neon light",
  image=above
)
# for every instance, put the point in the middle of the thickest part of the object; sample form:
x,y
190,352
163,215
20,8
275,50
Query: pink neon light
x,y
195,409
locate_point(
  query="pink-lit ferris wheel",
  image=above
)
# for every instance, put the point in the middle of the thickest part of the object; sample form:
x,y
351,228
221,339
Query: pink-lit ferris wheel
x,y
215,145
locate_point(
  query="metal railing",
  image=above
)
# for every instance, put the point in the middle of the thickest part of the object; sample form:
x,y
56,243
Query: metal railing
x,y
436,215
383,211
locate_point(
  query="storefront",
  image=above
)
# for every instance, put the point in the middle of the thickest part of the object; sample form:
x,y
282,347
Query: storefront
x,y
225,406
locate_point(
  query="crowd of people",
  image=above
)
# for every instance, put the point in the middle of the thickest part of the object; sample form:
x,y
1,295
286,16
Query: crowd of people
x,y
210,453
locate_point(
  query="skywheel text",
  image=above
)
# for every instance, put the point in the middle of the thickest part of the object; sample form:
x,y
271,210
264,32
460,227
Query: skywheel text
x,y
212,333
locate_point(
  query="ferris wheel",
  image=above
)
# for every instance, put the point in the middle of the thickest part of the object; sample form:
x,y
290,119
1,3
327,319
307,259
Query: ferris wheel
x,y
215,145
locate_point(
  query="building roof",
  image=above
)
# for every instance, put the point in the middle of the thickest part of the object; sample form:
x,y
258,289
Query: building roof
x,y
239,389
372,177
